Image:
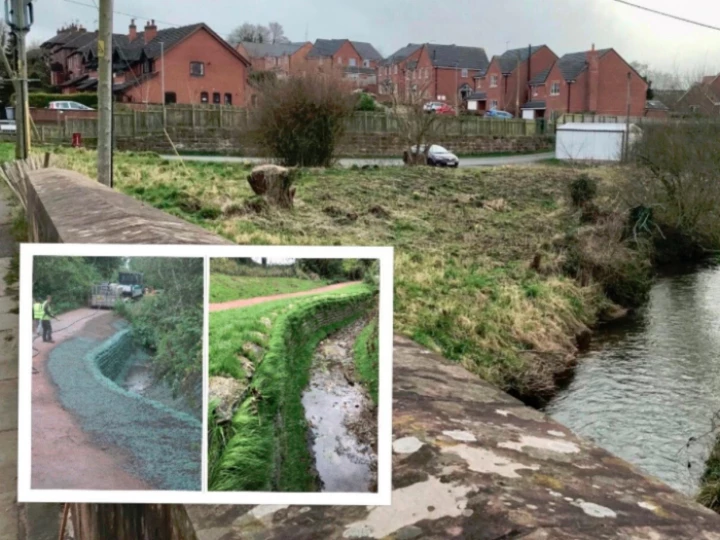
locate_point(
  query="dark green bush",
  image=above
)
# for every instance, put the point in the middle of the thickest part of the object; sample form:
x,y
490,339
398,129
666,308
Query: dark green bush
x,y
41,100
583,190
366,103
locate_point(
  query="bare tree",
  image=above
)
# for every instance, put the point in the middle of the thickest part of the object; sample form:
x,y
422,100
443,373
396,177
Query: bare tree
x,y
418,127
248,32
277,33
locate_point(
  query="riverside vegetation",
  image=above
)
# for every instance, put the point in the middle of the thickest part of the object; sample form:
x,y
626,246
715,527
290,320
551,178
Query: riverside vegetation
x,y
499,269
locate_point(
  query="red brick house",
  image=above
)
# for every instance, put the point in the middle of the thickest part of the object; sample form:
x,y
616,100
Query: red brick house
x,y
702,98
504,86
595,82
434,72
353,60
59,48
198,65
279,58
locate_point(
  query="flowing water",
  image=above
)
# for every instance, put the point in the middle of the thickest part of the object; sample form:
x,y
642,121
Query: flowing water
x,y
340,412
652,382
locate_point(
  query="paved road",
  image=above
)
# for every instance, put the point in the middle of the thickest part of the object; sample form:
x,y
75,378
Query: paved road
x,y
385,162
234,304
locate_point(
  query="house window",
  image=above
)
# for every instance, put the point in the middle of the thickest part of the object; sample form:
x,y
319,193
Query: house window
x,y
216,98
147,66
395,69
464,73
427,73
494,104
366,63
493,81
555,89
197,69
170,98
351,62
228,99
339,60
203,97
253,100
694,108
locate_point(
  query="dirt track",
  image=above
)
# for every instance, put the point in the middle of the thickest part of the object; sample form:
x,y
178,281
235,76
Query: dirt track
x,y
63,456
233,304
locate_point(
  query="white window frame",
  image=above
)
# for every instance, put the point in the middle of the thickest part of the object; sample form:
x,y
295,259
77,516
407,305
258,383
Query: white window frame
x,y
494,104
339,60
352,62
464,72
493,81
366,63
555,88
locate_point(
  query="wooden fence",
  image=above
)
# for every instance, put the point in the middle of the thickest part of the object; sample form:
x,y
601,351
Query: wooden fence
x,y
153,121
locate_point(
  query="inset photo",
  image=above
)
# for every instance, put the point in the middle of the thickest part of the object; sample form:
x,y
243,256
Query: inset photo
x,y
116,391
295,368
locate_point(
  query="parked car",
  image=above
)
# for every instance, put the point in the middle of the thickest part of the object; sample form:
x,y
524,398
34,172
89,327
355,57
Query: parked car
x,y
437,156
69,106
445,109
8,126
498,114
432,106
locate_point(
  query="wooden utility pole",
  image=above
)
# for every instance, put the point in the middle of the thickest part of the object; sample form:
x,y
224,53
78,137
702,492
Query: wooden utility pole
x,y
105,95
627,118
20,27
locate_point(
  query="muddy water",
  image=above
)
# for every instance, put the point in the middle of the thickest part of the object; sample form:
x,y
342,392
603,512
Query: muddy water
x,y
652,382
139,379
340,414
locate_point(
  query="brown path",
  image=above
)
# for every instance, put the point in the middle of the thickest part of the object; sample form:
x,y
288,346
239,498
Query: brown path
x,y
63,456
234,304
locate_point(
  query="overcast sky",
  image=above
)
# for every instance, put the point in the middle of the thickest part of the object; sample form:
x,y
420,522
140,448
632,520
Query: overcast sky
x,y
564,25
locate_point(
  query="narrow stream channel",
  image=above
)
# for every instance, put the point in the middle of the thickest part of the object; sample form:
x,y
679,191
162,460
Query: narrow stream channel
x,y
339,412
652,382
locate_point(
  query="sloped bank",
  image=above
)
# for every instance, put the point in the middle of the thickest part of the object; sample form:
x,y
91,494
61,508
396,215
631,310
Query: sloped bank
x,y
267,441
164,444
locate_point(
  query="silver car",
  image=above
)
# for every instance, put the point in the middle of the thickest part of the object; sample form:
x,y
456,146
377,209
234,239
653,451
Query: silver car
x,y
437,156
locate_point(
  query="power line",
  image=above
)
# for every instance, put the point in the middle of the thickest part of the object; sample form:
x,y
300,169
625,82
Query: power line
x,y
669,15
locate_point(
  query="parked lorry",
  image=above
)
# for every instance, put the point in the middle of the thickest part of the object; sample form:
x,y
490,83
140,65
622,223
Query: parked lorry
x,y
129,286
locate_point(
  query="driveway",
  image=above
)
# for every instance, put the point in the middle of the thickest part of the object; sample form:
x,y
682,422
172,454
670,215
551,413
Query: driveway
x,y
522,159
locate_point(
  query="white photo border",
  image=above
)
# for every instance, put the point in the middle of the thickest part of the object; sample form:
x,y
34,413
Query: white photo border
x,y
383,497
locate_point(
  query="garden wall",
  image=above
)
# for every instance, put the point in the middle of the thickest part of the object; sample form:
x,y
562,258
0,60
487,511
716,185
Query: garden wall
x,y
221,141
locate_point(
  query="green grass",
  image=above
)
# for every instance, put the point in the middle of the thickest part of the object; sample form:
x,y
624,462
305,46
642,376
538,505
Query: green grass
x,y
224,288
265,447
463,282
710,484
366,350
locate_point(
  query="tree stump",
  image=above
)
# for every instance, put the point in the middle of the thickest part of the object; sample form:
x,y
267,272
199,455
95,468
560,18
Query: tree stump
x,y
274,183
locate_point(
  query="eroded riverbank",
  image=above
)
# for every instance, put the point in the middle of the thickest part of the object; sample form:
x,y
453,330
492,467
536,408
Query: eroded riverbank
x,y
649,384
341,417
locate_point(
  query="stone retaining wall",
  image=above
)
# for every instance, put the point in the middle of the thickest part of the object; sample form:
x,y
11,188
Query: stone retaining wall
x,y
114,355
222,141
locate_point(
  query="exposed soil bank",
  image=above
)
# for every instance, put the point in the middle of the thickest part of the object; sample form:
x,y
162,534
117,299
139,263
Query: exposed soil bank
x,y
341,416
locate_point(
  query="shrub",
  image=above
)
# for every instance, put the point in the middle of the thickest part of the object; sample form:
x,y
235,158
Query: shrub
x,y
676,175
41,100
583,190
366,103
300,119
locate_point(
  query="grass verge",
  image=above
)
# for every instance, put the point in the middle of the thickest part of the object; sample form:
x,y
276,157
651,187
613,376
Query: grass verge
x,y
710,483
366,351
224,288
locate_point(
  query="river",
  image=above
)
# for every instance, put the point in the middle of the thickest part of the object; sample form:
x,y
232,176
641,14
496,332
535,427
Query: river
x,y
650,383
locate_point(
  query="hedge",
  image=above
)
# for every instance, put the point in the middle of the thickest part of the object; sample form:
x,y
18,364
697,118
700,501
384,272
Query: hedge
x,y
40,100
267,447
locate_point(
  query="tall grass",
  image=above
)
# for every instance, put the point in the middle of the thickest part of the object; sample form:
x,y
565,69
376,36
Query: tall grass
x,y
366,354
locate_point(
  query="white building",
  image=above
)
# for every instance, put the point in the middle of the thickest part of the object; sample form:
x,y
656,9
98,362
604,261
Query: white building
x,y
593,142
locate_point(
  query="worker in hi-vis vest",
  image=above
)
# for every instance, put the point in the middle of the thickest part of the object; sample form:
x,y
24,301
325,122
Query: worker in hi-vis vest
x,y
37,316
47,315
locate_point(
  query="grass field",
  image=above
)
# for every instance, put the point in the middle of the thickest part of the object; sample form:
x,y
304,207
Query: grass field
x,y
224,288
463,282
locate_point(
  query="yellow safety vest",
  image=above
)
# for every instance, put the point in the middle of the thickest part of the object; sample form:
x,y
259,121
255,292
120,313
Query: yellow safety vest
x,y
37,310
45,316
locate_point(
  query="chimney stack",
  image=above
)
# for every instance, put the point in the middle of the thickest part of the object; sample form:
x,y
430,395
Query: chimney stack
x,y
150,31
593,61
132,32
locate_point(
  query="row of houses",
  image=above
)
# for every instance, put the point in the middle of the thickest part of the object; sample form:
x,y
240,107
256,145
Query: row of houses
x,y
193,64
